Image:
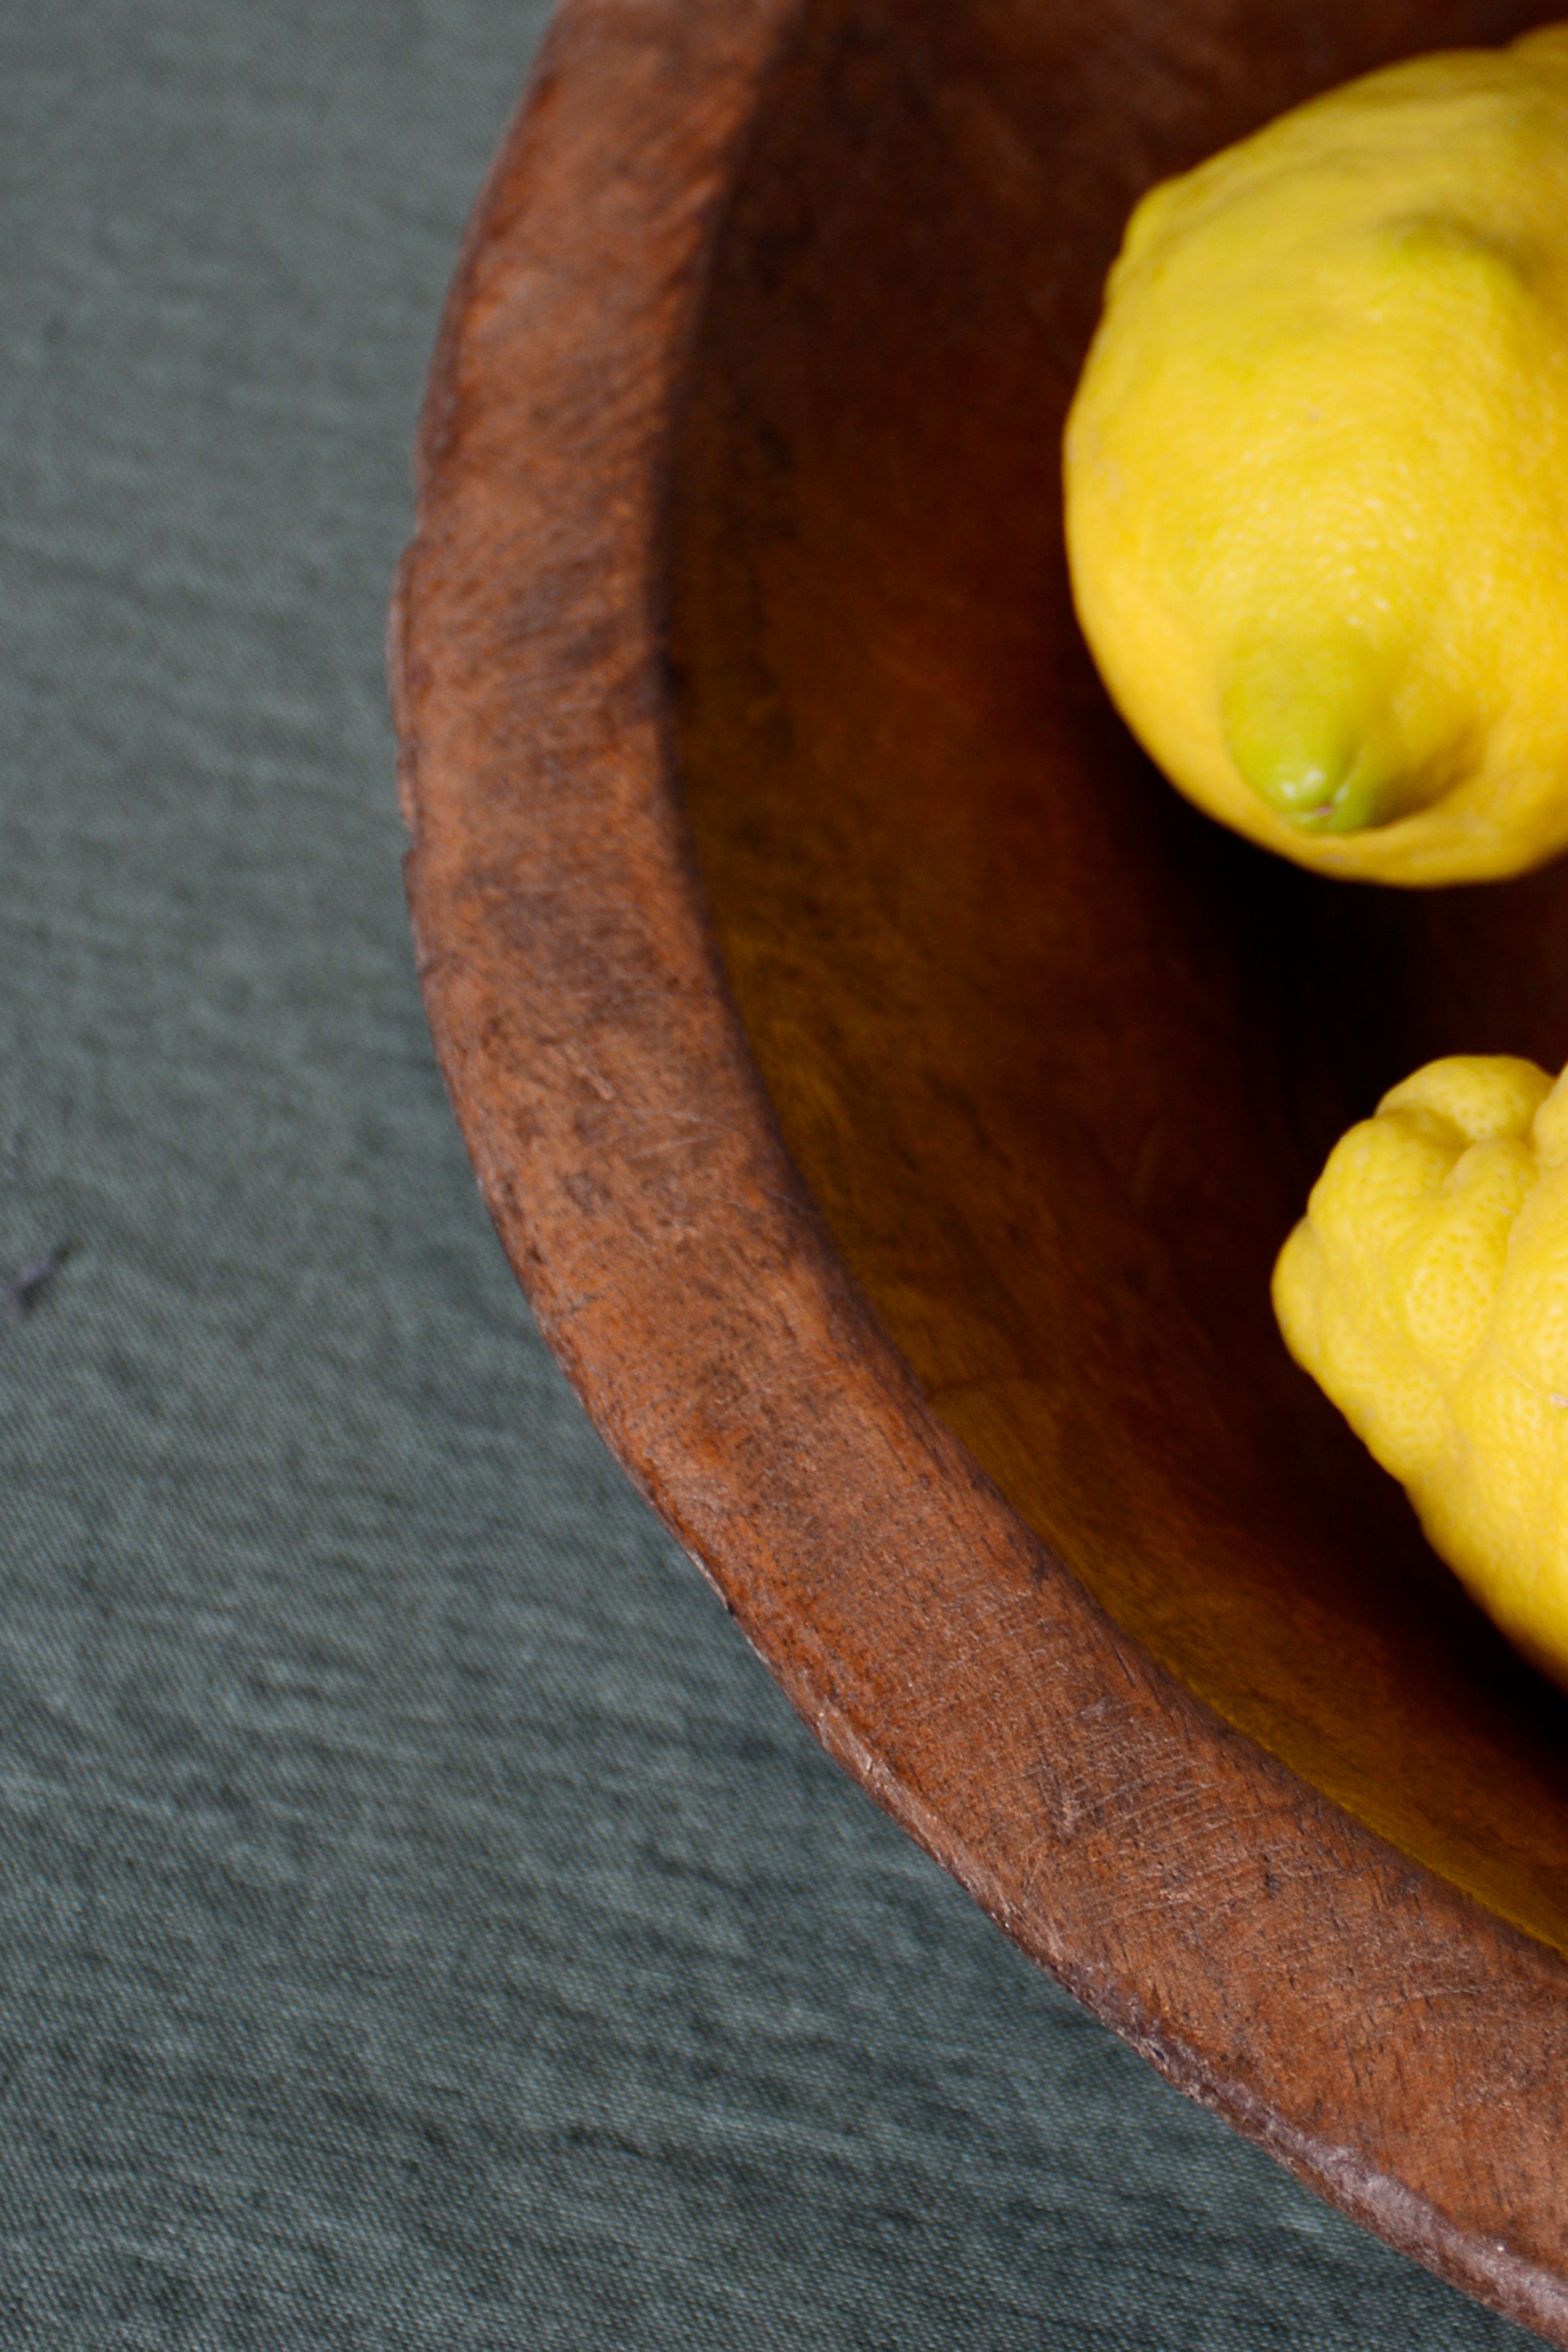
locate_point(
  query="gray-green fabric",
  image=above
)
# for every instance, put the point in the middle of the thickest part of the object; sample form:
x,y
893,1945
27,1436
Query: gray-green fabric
x,y
423,1923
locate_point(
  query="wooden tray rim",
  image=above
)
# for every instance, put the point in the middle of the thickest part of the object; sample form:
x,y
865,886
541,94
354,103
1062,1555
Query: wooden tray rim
x,y
1394,2045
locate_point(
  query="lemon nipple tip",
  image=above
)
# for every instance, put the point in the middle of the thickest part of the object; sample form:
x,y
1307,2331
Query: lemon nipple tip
x,y
1302,725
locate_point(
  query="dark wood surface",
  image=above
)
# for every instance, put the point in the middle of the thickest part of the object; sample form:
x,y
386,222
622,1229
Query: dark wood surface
x,y
892,1096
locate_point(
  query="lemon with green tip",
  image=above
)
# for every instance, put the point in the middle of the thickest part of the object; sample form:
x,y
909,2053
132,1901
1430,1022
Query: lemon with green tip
x,y
1316,473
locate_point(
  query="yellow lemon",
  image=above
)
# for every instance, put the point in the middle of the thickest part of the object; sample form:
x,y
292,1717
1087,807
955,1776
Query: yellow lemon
x,y
1427,1292
1317,473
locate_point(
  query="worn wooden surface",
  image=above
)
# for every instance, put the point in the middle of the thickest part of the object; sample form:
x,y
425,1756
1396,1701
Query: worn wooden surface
x,y
1059,1059
757,357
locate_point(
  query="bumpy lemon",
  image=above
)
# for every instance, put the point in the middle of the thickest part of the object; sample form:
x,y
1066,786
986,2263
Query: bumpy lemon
x,y
1427,1292
1317,473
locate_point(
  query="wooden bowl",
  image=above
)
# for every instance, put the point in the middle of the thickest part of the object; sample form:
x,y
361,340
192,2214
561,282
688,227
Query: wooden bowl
x,y
892,1096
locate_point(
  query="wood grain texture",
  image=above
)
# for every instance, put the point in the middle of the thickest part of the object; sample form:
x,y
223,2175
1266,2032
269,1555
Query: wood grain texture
x,y
1059,1058
738,486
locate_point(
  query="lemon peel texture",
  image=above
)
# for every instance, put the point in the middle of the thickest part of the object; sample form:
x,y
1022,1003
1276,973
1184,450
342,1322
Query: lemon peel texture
x,y
1317,473
1427,1292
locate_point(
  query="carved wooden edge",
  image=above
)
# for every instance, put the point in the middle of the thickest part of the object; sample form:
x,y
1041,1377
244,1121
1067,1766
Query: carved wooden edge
x,y
1395,2047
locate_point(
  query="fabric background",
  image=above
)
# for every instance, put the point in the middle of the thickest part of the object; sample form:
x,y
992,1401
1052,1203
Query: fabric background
x,y
423,1923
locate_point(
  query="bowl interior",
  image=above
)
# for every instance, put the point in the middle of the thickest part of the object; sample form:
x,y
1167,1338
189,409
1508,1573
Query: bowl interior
x,y
1059,1058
